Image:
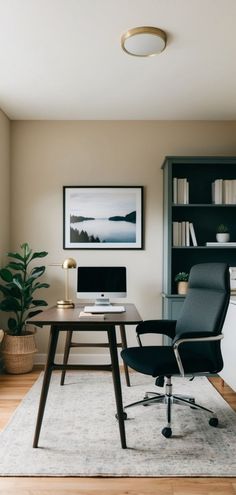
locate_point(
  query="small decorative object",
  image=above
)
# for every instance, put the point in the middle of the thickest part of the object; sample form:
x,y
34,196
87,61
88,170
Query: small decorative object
x,y
222,233
67,264
20,284
182,281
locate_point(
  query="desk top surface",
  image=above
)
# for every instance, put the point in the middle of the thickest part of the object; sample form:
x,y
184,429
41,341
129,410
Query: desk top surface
x,y
59,317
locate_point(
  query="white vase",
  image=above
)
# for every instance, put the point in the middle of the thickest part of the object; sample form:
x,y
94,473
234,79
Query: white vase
x,y
223,237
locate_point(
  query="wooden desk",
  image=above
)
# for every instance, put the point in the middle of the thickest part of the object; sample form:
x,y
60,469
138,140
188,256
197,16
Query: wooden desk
x,y
68,319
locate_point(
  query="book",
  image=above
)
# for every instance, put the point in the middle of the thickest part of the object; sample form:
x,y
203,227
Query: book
x,y
187,234
234,192
183,233
192,234
217,191
175,189
225,244
232,271
227,192
91,316
182,191
175,234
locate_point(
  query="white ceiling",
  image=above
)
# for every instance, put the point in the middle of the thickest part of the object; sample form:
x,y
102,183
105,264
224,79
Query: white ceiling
x,y
61,59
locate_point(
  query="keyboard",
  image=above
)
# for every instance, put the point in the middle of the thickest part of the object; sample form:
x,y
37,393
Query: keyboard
x,y
104,309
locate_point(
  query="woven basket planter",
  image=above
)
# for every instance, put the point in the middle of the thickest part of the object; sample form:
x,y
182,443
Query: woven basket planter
x,y
182,287
18,352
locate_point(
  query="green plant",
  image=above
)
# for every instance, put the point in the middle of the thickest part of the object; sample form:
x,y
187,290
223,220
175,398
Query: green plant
x,y
222,229
181,277
20,283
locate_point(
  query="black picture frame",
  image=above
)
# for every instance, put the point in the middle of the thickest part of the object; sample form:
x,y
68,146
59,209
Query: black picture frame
x,y
103,217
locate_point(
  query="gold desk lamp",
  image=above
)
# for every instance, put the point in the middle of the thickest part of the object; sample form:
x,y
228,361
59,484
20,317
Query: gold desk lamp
x,y
67,264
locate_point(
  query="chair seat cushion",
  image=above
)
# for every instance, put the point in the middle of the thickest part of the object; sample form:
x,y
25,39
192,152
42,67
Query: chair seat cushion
x,y
160,360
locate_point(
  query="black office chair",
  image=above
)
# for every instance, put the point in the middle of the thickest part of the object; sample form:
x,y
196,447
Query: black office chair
x,y
195,339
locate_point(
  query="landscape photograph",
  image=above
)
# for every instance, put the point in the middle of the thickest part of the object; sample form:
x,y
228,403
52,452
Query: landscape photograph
x,y
103,217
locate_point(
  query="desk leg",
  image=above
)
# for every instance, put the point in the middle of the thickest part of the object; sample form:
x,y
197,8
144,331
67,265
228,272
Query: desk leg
x,y
46,381
117,385
69,334
124,346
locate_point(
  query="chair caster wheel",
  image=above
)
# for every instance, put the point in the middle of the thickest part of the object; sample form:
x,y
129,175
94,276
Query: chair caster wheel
x,y
167,432
213,422
125,416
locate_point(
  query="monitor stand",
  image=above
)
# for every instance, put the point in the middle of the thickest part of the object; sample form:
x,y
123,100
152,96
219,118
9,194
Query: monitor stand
x,y
102,301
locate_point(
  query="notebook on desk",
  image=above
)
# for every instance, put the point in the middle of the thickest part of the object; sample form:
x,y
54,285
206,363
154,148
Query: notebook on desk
x,y
104,309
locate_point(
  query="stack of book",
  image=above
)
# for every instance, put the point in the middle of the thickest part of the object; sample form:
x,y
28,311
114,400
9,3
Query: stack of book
x,y
233,279
180,191
183,234
224,191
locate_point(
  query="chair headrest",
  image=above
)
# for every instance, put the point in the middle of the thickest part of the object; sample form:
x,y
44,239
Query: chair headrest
x,y
213,276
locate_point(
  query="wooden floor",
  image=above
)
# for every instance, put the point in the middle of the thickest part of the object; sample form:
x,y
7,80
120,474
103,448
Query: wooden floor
x,y
12,390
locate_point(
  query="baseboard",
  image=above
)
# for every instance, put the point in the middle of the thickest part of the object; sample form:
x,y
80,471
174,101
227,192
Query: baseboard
x,y
76,358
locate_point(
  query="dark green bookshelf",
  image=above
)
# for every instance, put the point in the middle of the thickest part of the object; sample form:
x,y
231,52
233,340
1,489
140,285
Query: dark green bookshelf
x,y
205,216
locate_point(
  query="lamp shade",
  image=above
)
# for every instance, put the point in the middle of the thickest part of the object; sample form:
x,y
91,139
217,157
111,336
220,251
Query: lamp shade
x,y
69,263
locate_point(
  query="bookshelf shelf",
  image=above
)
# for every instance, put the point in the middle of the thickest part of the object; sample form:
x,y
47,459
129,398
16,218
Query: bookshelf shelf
x,y
203,205
204,247
199,173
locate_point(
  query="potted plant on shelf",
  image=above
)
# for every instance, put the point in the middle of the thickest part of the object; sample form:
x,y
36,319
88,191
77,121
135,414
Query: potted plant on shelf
x,y
182,282
20,284
222,234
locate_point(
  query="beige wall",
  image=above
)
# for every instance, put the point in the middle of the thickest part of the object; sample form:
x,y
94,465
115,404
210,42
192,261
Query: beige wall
x,y
48,155
4,185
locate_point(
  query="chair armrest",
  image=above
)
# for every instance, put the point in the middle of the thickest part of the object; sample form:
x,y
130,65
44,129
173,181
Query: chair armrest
x,y
201,337
164,327
190,336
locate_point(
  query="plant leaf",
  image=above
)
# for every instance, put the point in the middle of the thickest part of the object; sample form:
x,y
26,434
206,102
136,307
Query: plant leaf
x,y
16,266
15,255
10,291
6,275
40,254
5,290
37,271
34,313
40,286
12,324
10,304
18,283
39,302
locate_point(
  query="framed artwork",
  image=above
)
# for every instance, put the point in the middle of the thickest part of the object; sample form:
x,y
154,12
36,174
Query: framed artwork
x,y
108,217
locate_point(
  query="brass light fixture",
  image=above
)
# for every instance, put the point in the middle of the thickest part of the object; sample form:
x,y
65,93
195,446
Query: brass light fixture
x,y
67,264
144,41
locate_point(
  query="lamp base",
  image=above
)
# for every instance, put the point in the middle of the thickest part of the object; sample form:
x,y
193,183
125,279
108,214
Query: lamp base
x,y
65,304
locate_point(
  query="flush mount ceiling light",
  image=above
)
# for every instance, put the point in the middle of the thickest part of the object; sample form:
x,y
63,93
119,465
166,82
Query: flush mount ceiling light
x,y
144,41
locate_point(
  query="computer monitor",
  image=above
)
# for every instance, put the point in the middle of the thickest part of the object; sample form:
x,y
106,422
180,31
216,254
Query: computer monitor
x,y
101,283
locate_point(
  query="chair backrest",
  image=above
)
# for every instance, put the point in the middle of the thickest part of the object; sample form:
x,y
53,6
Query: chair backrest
x,y
207,299
205,307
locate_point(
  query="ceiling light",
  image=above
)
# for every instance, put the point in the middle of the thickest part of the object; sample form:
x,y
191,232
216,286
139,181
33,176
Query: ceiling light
x,y
144,41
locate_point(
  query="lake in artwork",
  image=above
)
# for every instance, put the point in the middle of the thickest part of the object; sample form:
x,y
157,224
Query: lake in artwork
x,y
104,230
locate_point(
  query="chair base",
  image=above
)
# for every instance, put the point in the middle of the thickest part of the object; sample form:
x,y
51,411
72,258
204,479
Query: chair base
x,y
169,399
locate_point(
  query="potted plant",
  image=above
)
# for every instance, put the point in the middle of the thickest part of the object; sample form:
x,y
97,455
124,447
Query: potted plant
x,y
182,282
222,234
18,290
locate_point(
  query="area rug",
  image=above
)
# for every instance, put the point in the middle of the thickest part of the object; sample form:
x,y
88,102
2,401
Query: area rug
x,y
80,435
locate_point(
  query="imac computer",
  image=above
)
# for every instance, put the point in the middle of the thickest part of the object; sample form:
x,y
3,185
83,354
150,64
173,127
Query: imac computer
x,y
100,283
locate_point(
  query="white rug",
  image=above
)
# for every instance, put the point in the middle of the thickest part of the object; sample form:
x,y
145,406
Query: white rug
x,y
80,436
